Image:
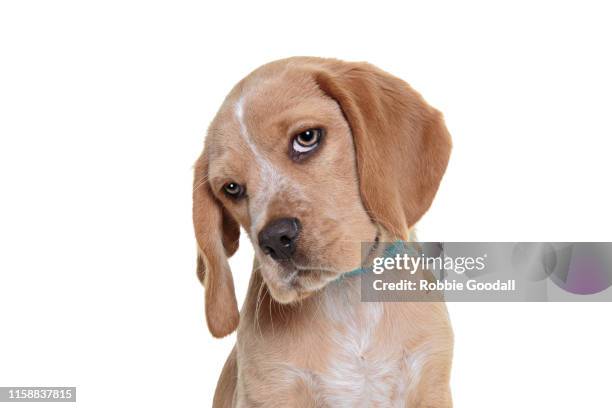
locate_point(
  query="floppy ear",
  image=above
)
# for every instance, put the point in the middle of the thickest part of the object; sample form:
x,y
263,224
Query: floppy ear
x,y
401,143
217,234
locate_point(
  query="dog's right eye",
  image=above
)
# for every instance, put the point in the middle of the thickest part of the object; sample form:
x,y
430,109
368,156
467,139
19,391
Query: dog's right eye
x,y
305,142
233,190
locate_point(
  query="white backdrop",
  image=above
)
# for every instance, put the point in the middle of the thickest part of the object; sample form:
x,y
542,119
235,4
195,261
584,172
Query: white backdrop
x,y
103,109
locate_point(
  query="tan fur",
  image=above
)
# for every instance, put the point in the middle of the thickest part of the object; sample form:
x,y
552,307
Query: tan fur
x,y
304,337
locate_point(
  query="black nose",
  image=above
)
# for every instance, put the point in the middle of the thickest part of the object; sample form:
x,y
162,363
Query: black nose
x,y
278,238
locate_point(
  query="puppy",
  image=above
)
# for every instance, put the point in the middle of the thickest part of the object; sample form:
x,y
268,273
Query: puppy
x,y
312,157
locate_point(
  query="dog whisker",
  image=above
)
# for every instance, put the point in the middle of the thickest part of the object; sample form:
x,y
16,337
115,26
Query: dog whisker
x,y
258,306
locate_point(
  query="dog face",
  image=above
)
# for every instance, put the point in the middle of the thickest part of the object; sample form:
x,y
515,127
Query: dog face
x,y
282,162
311,157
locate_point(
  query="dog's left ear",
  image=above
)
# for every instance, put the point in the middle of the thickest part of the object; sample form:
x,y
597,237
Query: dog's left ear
x,y
217,235
401,143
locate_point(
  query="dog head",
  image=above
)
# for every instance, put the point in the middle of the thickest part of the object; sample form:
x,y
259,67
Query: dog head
x,y
311,157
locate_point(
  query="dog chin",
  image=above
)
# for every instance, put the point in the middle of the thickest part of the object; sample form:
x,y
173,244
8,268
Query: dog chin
x,y
286,286
286,295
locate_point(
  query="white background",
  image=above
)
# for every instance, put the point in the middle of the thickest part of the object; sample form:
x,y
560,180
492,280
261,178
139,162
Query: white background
x,y
103,109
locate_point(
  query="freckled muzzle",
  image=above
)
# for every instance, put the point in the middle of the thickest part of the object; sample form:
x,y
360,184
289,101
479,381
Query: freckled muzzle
x,y
279,238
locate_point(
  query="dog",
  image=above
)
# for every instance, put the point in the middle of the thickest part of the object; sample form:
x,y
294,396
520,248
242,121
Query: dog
x,y
312,157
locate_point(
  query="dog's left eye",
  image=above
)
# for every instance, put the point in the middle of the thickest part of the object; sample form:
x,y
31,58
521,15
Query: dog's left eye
x,y
233,190
307,141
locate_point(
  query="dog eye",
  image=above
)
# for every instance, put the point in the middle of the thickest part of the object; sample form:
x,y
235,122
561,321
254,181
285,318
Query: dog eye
x,y
233,190
307,141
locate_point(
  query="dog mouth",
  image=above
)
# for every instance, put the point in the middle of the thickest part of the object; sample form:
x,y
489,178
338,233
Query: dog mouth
x,y
300,277
306,278
289,281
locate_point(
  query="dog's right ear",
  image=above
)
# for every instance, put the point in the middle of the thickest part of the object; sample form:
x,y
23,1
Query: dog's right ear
x,y
217,235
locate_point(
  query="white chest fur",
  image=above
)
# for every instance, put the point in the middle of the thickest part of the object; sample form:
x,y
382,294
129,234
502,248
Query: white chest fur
x,y
361,371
